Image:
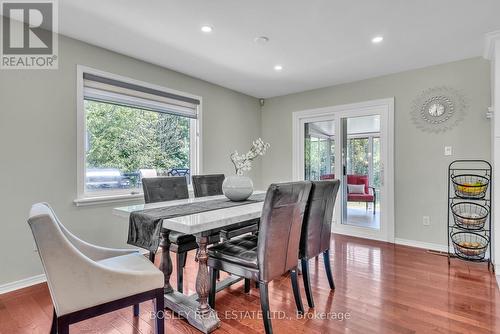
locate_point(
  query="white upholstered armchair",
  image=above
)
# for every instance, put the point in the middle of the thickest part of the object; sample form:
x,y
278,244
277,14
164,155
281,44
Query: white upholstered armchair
x,y
86,280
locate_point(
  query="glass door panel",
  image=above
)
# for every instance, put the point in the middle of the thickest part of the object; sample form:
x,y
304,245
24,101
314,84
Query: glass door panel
x,y
376,169
319,150
361,171
357,156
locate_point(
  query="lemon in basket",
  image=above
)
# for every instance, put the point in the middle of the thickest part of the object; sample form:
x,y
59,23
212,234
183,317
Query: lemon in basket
x,y
472,188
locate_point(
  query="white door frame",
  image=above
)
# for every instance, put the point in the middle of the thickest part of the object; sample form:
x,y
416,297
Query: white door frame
x,y
384,107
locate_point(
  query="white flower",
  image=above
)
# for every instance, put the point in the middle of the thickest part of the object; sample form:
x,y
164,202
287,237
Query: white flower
x,y
243,162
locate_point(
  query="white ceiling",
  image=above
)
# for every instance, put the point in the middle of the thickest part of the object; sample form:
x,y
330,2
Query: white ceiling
x,y
321,129
355,126
318,42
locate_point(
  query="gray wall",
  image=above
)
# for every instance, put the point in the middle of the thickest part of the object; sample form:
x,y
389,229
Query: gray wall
x,y
38,146
420,164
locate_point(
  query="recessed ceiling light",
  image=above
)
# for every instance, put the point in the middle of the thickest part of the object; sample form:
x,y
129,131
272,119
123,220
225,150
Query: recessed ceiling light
x,y
278,67
261,39
207,28
377,39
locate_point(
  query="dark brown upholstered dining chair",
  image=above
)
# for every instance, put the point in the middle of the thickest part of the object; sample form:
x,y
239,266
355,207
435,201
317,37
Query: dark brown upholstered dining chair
x,y
169,188
271,253
316,230
207,185
211,185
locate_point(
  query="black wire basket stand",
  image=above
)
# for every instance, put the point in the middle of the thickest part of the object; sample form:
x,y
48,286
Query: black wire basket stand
x,y
469,211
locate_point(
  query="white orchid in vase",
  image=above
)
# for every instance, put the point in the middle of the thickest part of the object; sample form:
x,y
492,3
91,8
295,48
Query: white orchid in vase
x,y
243,162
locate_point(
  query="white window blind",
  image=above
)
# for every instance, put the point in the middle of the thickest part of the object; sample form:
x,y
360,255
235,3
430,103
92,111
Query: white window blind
x,y
112,91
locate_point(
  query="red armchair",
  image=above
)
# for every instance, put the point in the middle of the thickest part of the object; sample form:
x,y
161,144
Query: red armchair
x,y
369,196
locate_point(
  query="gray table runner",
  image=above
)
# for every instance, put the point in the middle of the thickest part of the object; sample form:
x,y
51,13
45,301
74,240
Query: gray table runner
x,y
145,225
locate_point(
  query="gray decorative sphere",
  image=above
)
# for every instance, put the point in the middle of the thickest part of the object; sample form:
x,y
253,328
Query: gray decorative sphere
x,y
237,188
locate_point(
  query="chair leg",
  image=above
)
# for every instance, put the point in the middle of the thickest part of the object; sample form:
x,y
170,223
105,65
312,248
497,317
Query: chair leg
x,y
159,311
136,310
256,284
247,285
181,261
184,260
62,327
366,206
53,328
328,268
307,282
218,271
213,278
152,256
296,291
264,304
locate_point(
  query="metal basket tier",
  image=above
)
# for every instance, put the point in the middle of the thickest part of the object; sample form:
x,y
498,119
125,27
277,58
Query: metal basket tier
x,y
469,245
470,186
470,216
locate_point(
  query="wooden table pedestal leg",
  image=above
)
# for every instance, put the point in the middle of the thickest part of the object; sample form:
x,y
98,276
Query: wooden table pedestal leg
x,y
166,261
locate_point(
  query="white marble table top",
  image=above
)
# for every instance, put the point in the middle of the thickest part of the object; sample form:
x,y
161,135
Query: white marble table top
x,y
203,221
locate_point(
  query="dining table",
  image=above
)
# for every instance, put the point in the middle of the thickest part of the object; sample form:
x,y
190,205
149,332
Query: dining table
x,y
195,308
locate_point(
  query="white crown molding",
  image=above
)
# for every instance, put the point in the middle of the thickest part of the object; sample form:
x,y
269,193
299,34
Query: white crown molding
x,y
23,283
489,38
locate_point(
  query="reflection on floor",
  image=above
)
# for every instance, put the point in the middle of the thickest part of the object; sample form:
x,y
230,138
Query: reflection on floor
x,y
358,215
380,288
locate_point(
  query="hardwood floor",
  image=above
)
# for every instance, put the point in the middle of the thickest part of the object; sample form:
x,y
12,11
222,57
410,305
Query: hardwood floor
x,y
383,288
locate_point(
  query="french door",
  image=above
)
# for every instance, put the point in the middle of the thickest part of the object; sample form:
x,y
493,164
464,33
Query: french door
x,y
352,143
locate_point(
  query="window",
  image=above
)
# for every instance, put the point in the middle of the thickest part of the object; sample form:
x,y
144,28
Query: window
x,y
129,130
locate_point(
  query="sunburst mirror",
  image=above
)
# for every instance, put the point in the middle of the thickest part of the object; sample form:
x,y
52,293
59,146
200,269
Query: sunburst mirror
x,y
438,109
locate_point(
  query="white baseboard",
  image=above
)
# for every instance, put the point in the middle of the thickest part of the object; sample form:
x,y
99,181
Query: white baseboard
x,y
23,283
421,244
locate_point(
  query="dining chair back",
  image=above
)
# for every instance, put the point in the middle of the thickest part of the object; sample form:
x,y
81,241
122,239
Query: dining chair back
x,y
280,228
164,188
207,185
317,226
316,230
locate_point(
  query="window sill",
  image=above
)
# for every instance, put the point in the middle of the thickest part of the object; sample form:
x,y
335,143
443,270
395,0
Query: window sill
x,y
99,200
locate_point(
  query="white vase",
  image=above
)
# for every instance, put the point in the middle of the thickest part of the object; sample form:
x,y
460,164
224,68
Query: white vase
x,y
237,188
